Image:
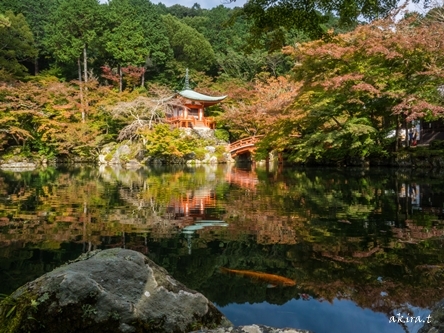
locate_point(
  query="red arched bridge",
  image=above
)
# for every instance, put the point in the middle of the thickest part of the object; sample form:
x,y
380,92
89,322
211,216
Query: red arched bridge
x,y
244,145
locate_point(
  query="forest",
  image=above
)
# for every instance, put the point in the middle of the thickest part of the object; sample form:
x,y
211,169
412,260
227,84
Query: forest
x,y
320,80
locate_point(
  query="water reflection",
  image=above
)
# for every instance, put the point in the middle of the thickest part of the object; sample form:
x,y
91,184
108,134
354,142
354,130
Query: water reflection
x,y
368,243
190,230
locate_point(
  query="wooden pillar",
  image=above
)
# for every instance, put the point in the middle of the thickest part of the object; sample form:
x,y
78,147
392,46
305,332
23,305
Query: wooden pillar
x,y
200,114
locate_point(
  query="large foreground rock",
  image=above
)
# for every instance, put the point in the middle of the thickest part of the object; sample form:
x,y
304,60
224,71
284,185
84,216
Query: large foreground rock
x,y
435,323
108,291
251,329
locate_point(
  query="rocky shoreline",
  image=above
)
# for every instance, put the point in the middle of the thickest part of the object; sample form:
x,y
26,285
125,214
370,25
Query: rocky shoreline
x,y
123,291
134,157
251,329
114,290
117,291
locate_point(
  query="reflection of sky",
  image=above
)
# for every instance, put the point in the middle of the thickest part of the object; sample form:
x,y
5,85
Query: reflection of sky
x,y
342,316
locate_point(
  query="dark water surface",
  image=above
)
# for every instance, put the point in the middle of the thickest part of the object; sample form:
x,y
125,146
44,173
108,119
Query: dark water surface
x,y
362,245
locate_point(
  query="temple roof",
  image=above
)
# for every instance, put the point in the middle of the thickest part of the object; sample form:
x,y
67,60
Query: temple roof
x,y
195,96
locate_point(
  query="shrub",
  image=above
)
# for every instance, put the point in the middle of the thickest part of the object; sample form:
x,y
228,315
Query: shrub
x,y
437,144
222,134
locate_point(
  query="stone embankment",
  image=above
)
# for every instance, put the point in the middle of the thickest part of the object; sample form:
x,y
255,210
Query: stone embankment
x,y
19,164
133,156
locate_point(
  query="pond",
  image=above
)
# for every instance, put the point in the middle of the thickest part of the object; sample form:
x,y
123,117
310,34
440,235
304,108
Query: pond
x,y
361,248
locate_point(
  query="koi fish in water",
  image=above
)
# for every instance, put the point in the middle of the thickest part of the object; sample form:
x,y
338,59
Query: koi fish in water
x,y
272,279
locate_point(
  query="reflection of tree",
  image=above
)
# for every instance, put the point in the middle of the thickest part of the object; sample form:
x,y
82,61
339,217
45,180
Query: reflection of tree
x,y
335,195
50,208
339,235
382,282
22,262
85,205
171,195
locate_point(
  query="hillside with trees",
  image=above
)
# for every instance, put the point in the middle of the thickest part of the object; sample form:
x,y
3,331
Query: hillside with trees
x,y
321,80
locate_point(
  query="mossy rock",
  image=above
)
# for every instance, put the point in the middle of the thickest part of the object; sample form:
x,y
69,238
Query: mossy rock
x,y
114,290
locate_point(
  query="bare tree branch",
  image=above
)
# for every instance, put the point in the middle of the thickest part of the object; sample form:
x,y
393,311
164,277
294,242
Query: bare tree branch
x,y
143,112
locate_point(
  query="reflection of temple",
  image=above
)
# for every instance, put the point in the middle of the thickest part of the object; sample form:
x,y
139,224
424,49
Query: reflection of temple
x,y
192,112
195,204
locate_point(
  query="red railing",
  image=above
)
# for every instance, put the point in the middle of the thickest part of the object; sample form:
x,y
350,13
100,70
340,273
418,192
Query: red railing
x,y
191,122
244,143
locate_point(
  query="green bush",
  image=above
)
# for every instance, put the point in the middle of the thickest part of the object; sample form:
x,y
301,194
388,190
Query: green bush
x,y
200,153
437,144
222,134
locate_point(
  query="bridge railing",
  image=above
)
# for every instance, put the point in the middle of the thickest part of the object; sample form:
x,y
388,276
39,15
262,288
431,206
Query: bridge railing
x,y
247,142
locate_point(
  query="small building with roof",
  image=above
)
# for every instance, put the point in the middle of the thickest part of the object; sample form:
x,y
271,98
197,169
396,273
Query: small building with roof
x,y
192,112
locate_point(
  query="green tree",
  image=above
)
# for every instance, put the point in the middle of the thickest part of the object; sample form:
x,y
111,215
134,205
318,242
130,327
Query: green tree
x,y
135,35
71,30
222,27
163,142
358,86
311,15
16,45
238,53
241,65
4,21
37,14
189,46
180,11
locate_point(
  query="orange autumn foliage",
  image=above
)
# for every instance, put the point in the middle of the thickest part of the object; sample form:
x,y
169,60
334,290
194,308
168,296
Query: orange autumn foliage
x,y
253,111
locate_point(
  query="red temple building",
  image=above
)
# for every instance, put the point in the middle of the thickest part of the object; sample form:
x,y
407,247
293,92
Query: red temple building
x,y
192,112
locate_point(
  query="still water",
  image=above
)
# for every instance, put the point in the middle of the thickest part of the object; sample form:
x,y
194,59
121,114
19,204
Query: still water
x,y
362,245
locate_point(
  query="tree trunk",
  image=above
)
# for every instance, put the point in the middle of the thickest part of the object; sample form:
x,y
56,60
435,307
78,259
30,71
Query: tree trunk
x,y
143,77
85,64
82,109
120,79
36,66
407,141
79,68
85,74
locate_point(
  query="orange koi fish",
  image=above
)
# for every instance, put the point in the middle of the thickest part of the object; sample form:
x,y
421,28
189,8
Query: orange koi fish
x,y
271,279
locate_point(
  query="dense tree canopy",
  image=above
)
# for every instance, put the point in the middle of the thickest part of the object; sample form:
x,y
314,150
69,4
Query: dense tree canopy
x,y
37,14
72,28
332,98
16,44
360,85
134,35
222,27
4,21
311,15
189,45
